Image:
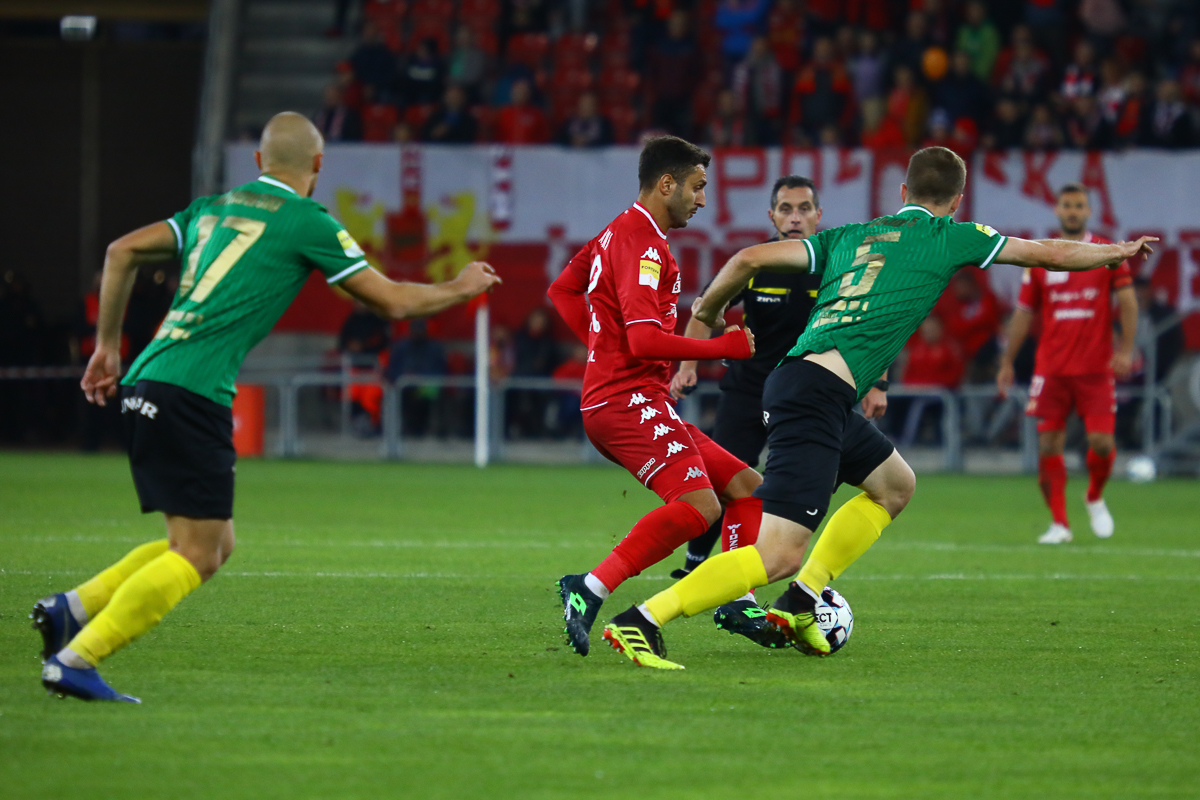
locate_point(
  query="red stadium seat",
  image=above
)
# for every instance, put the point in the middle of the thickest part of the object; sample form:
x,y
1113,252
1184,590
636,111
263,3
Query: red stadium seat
x,y
529,49
574,50
619,87
565,90
625,121
379,121
485,117
471,10
416,116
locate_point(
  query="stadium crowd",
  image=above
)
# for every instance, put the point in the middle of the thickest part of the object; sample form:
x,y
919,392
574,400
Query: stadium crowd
x,y
1039,74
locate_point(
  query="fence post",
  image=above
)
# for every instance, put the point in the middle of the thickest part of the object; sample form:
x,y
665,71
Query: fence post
x,y
481,385
391,420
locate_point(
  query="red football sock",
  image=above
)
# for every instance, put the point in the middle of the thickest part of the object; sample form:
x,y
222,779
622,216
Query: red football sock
x,y
742,520
653,538
1052,477
1099,468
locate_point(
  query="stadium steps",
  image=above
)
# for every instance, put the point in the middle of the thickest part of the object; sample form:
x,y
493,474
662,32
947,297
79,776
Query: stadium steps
x,y
285,59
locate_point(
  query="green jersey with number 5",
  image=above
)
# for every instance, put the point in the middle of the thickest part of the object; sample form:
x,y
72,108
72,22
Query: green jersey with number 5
x,y
245,256
879,281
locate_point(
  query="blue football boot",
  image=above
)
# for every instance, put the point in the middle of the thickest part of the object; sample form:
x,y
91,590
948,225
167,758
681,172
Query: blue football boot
x,y
52,618
86,684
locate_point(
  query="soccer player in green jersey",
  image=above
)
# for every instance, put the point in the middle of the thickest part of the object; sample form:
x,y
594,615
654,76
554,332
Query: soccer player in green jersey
x,y
879,280
245,255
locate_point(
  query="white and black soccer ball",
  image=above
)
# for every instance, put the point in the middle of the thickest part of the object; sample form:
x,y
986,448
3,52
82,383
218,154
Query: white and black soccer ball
x,y
835,619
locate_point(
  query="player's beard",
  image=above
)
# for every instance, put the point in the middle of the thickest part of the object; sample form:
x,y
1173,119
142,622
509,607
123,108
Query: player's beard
x,y
1073,230
678,208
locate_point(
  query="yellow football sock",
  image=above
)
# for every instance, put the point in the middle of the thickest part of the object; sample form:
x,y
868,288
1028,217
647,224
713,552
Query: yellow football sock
x,y
137,606
95,594
849,534
718,580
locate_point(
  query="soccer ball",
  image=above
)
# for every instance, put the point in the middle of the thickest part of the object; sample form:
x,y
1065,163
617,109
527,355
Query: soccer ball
x,y
835,619
1141,469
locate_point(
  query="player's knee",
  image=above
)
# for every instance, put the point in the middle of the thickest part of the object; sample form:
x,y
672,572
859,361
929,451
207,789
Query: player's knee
x,y
704,501
1101,445
741,485
902,483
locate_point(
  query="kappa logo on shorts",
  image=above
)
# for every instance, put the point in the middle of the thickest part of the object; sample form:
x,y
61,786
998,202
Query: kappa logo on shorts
x,y
645,467
649,413
637,400
675,447
139,404
696,472
661,430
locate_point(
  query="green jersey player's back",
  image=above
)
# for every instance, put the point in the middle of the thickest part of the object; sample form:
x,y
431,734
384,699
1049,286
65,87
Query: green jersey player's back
x,y
880,279
245,256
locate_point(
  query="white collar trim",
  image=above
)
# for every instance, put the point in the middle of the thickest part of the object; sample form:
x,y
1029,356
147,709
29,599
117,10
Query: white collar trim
x,y
911,207
638,206
279,184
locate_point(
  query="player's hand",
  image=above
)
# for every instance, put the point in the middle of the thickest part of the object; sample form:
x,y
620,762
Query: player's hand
x,y
1122,364
714,319
477,277
100,378
733,330
683,382
874,404
1131,249
1004,379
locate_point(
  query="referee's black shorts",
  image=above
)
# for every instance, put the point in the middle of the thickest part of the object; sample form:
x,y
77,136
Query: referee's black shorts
x,y
816,441
739,428
180,450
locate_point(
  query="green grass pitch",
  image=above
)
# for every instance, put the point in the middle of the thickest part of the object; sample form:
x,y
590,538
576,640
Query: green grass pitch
x,y
391,631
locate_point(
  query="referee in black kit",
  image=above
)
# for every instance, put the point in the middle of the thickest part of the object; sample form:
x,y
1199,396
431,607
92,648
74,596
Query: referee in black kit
x,y
776,307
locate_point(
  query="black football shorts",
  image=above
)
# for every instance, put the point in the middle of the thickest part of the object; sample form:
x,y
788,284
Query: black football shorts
x,y
815,440
180,450
739,427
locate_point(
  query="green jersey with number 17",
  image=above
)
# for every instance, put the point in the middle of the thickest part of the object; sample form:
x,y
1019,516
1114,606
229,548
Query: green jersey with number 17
x,y
245,256
880,279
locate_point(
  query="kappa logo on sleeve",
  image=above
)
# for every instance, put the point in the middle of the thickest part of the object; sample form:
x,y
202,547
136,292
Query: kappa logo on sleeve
x,y
349,246
650,268
986,229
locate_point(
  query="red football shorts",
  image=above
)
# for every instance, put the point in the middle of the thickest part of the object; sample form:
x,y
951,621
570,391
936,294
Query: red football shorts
x,y
1094,398
643,434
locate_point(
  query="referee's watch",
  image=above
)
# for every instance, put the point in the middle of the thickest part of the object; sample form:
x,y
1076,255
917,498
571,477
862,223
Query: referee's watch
x,y
881,385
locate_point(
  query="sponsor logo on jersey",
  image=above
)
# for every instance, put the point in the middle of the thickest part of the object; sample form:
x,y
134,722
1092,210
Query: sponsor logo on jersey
x,y
649,413
139,404
637,400
649,272
675,447
987,230
349,246
1074,313
645,467
661,430
696,472
1057,277
605,239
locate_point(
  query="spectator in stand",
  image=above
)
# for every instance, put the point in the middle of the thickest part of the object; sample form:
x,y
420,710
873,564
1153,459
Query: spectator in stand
x,y
674,63
904,118
521,122
1043,131
373,63
739,22
1086,126
821,96
786,33
758,85
535,355
1081,79
378,118
867,68
452,122
421,79
1021,68
1189,75
417,354
961,93
1007,130
1131,118
468,64
587,127
1168,122
1103,19
910,48
971,316
526,16
336,121
363,334
934,361
726,128
979,39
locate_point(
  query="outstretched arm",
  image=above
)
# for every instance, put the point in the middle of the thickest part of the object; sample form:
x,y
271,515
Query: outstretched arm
x,y
652,343
144,246
1064,255
790,255
402,300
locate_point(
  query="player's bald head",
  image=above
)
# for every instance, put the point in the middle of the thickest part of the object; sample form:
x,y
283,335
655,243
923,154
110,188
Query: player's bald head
x,y
289,143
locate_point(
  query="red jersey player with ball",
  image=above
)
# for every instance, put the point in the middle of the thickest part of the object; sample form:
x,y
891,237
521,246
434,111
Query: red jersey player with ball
x,y
1076,366
619,295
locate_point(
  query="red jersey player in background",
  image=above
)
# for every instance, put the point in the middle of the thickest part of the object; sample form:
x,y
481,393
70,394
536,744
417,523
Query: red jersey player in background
x,y
619,295
1076,365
